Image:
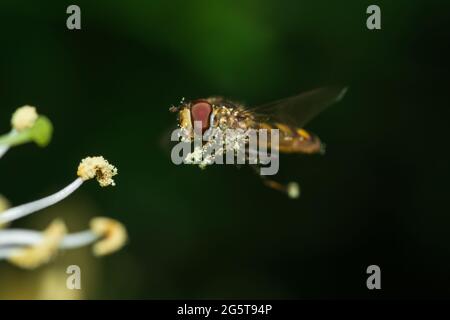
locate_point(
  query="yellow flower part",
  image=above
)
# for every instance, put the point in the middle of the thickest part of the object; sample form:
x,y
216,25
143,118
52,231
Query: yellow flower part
x,y
99,168
113,233
24,118
33,257
4,204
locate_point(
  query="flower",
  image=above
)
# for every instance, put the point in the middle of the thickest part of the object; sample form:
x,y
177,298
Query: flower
x,y
99,168
29,249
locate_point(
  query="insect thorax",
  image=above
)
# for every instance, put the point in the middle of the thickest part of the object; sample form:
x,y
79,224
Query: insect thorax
x,y
232,117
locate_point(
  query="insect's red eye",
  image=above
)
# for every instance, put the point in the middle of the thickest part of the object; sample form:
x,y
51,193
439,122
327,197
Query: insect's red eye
x,y
200,111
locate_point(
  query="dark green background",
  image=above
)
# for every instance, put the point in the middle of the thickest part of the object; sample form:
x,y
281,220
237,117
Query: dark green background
x,y
379,195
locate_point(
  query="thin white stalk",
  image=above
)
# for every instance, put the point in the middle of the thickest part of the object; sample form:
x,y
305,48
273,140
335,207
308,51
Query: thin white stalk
x,y
19,237
79,239
28,208
3,150
23,237
11,240
5,253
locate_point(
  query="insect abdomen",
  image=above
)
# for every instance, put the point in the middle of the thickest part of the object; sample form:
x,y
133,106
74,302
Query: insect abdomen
x,y
295,140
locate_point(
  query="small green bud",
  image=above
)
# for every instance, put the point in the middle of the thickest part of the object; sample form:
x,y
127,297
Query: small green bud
x,y
41,132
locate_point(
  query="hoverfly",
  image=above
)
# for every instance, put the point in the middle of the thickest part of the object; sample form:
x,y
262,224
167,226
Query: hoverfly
x,y
288,115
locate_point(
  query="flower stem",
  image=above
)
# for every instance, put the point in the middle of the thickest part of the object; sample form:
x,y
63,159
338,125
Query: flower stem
x,y
15,138
23,237
3,150
5,253
28,208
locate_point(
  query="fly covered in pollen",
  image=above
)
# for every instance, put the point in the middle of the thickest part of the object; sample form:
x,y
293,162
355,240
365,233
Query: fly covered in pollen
x,y
281,120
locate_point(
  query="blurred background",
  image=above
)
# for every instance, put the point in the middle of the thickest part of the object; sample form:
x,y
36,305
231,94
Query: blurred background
x,y
378,196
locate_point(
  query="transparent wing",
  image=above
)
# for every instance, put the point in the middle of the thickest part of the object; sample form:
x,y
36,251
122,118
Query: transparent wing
x,y
300,109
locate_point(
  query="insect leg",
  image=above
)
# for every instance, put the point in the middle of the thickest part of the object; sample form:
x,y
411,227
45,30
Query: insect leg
x,y
291,189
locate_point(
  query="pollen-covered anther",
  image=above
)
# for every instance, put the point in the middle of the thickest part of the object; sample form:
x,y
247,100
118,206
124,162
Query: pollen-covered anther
x,y
99,168
33,257
113,234
24,118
